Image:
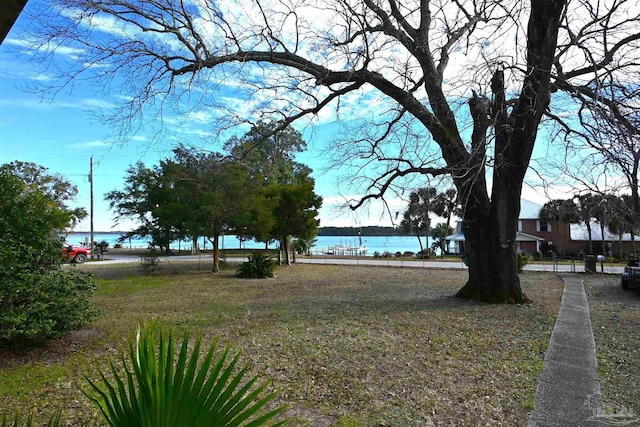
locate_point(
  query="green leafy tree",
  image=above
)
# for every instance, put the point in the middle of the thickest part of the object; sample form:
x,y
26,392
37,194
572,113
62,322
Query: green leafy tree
x,y
38,299
145,197
213,194
295,212
54,186
226,199
183,207
268,151
416,217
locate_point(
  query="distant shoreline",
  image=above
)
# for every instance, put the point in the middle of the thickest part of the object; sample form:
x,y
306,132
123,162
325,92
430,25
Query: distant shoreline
x,y
98,232
367,231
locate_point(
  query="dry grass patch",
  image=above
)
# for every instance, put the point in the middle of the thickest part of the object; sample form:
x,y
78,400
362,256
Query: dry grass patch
x,y
344,345
615,316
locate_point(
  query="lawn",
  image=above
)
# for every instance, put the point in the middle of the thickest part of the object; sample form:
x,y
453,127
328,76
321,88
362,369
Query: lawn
x,y
615,316
344,345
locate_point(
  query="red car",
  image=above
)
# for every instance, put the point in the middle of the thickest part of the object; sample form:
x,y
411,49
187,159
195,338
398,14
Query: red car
x,y
77,254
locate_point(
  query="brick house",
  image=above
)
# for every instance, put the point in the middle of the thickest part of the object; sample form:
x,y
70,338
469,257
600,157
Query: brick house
x,y
534,234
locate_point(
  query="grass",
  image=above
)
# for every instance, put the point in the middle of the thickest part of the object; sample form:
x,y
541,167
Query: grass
x,y
615,316
345,346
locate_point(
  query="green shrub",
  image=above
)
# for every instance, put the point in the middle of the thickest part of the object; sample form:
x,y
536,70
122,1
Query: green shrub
x,y
38,298
259,266
41,306
150,263
156,388
303,246
523,259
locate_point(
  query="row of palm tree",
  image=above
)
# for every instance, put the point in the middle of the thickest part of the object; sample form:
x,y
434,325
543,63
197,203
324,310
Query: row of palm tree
x,y
610,212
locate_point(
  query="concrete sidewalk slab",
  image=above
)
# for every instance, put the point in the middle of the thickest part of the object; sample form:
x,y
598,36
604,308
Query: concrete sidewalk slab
x,y
568,392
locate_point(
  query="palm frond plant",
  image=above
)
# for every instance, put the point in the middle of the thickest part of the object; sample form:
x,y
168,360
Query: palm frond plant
x,y
155,388
54,421
259,266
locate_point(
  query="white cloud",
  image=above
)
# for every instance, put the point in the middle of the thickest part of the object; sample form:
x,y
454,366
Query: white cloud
x,y
200,116
27,45
97,103
139,138
88,144
38,104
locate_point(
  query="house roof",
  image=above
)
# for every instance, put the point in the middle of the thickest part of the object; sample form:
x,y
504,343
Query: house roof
x,y
579,233
524,237
455,237
529,210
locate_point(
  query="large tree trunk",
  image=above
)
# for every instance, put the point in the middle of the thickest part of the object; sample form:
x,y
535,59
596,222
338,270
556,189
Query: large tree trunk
x,y
10,11
284,246
491,248
490,225
194,247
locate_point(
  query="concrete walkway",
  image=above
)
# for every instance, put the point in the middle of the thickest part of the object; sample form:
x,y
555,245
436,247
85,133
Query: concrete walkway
x,y
568,393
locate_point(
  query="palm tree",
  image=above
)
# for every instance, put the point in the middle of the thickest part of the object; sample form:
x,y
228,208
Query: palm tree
x,y
622,218
631,218
446,205
439,233
560,211
416,217
586,206
606,207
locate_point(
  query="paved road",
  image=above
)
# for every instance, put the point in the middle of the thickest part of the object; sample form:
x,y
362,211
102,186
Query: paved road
x,y
578,267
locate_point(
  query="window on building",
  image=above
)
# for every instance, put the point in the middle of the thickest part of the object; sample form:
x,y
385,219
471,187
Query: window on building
x,y
519,225
544,225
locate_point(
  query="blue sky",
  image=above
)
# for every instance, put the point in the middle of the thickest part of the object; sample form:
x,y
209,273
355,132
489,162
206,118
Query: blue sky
x,y
64,134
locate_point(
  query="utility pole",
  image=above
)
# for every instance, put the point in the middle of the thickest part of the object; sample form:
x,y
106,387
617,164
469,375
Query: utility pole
x,y
91,205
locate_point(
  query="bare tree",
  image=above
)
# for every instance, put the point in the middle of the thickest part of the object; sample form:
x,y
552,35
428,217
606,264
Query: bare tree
x,y
456,88
601,129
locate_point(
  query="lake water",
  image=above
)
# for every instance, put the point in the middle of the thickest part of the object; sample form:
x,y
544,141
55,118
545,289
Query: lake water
x,y
323,243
